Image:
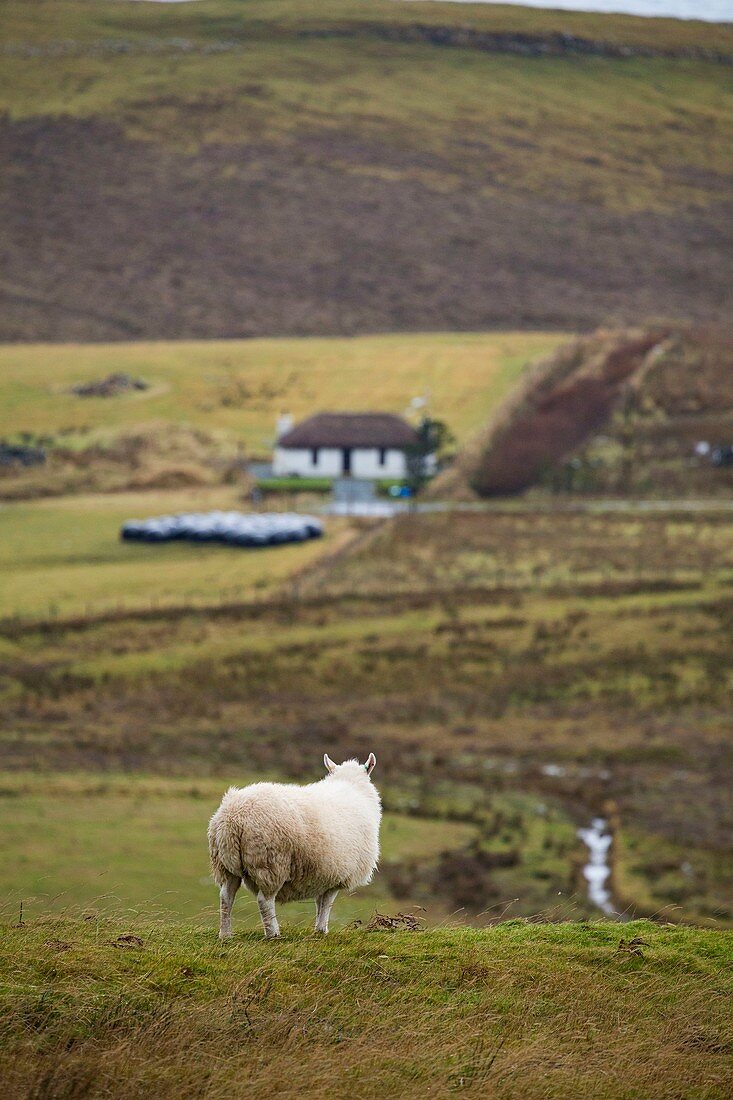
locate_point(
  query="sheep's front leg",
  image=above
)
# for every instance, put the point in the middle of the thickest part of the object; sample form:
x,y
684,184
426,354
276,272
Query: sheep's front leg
x,y
267,912
323,910
227,895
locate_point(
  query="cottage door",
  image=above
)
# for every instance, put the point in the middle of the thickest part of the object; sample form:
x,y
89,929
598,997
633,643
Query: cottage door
x,y
347,460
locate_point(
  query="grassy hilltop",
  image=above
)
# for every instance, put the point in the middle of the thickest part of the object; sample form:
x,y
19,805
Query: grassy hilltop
x,y
240,169
122,1009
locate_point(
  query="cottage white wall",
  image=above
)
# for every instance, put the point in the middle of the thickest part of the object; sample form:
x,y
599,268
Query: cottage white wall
x,y
365,463
298,462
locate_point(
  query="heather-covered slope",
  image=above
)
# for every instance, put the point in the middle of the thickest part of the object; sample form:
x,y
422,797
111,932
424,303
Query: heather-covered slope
x,y
228,169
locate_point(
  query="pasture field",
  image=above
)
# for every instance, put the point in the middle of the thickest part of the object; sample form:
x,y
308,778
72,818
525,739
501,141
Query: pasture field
x,y
128,1008
539,546
236,388
519,672
63,556
114,843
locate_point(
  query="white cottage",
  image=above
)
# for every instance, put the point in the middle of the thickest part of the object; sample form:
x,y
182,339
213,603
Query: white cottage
x,y
365,445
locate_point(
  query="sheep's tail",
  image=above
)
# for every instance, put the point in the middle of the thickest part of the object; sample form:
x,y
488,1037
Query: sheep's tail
x,y
218,870
225,852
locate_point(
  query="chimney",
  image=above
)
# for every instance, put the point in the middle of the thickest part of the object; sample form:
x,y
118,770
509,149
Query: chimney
x,y
283,425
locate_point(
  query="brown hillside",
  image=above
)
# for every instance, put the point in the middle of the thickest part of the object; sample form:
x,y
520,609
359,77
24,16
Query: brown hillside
x,y
302,239
225,169
654,391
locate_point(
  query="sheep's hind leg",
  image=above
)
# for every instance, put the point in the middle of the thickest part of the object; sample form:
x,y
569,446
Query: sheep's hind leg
x,y
323,910
267,912
227,895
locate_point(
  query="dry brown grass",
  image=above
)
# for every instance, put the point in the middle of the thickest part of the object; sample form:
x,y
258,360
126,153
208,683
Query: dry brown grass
x,y
157,455
527,1010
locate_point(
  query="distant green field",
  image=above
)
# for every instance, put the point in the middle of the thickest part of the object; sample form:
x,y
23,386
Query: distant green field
x,y
238,387
64,556
517,670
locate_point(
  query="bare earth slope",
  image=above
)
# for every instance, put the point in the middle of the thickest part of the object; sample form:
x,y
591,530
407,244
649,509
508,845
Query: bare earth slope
x,y
629,406
223,171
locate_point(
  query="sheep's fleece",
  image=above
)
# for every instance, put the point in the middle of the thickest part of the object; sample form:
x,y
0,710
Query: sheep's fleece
x,y
287,842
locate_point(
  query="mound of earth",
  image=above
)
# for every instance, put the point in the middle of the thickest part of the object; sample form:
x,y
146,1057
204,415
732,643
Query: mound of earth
x,y
111,386
641,410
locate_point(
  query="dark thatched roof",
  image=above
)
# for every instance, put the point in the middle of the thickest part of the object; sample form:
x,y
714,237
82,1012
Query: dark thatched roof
x,y
350,430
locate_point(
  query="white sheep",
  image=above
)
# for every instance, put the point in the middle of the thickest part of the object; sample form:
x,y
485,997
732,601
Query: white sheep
x,y
288,843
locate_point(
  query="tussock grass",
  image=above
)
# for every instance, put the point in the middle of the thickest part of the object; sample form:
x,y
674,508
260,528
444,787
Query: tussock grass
x,y
533,547
105,1007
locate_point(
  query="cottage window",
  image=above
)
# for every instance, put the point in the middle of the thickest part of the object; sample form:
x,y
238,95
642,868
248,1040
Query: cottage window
x,y
382,456
314,456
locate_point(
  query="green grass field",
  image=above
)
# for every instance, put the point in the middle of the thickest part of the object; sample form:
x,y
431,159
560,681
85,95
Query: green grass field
x,y
238,387
135,845
517,672
64,556
132,1008
473,652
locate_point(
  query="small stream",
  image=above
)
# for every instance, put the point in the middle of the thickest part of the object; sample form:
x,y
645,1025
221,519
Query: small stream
x,y
597,870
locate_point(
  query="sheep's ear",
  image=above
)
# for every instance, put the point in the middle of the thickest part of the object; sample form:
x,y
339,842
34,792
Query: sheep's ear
x,y
328,763
371,761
